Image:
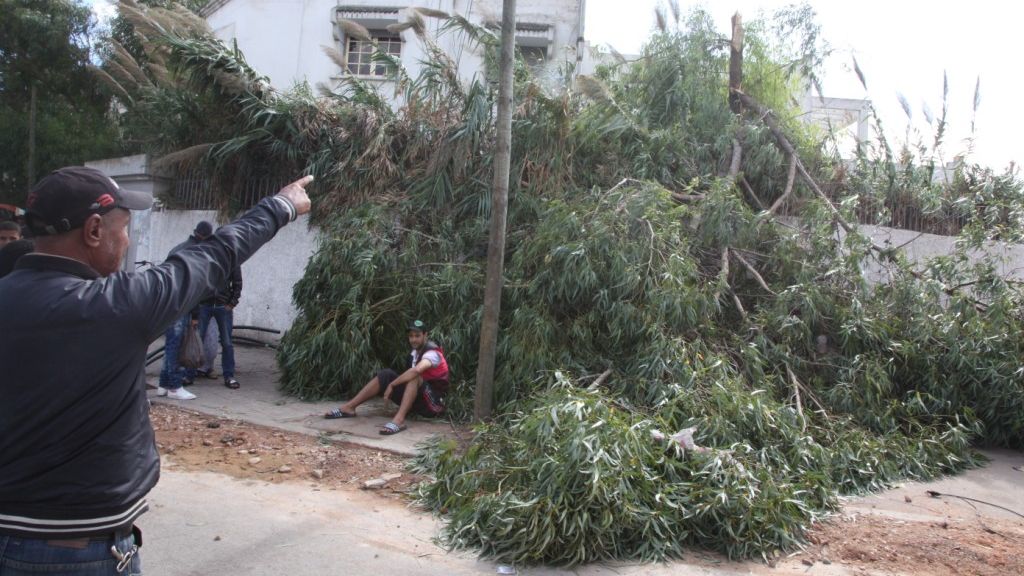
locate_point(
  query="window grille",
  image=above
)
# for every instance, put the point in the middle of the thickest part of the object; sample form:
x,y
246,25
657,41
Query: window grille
x,y
359,53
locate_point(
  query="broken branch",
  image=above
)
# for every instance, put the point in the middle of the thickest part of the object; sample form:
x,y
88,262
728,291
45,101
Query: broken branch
x,y
796,393
790,179
753,271
750,190
600,380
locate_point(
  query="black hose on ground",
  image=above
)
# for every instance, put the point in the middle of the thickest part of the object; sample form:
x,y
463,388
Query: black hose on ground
x,y
935,494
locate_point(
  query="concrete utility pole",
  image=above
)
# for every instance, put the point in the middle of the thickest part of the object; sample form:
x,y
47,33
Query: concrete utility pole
x,y
484,400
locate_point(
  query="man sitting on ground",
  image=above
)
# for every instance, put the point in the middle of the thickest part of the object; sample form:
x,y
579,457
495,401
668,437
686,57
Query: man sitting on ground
x,y
422,387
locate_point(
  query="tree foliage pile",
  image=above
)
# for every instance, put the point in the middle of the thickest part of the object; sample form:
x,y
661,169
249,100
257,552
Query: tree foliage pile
x,y
638,253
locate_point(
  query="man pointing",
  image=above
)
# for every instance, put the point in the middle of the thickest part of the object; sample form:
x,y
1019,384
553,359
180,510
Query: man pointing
x,y
77,451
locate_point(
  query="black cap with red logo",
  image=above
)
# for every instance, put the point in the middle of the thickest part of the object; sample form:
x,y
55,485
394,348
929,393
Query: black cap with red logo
x,y
62,200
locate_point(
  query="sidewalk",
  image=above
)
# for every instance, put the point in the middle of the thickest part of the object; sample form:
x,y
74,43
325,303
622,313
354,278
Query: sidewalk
x,y
259,401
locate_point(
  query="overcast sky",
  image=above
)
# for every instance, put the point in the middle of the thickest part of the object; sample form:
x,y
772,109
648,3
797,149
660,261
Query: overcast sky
x,y
902,46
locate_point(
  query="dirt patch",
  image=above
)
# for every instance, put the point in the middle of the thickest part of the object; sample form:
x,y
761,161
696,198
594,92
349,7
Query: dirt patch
x,y
871,544
862,544
196,441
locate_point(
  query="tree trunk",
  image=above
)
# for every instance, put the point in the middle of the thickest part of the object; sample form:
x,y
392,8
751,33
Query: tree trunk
x,y
31,172
484,400
736,64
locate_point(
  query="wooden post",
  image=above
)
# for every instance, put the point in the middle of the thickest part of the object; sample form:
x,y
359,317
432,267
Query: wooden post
x,y
484,399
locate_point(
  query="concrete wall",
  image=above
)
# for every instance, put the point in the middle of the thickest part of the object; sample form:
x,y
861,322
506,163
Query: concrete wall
x,y
267,278
283,38
920,247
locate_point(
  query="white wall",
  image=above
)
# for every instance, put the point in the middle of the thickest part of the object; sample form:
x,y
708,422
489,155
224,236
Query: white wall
x,y
282,39
919,247
267,278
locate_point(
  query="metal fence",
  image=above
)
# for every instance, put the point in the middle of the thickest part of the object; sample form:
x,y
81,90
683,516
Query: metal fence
x,y
904,214
194,190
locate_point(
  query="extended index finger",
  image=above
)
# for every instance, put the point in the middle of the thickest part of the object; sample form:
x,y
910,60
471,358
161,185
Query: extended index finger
x,y
303,182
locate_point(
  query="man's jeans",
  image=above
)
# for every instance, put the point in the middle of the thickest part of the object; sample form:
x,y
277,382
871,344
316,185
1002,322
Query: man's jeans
x,y
225,321
91,557
209,347
172,373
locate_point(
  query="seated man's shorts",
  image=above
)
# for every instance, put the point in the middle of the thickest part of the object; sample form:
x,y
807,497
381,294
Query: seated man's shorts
x,y
428,401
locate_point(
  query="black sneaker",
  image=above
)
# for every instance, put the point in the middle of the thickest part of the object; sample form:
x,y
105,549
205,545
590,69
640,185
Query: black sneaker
x,y
232,383
187,382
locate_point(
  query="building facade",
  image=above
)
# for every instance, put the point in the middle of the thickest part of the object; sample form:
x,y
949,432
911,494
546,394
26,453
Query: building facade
x,y
284,39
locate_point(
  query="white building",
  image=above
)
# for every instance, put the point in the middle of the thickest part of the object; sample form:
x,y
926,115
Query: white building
x,y
283,39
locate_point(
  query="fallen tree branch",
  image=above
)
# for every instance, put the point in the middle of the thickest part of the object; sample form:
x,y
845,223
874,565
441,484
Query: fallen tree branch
x,y
738,303
773,126
750,190
686,198
622,183
723,273
796,393
790,180
723,278
737,158
600,380
753,271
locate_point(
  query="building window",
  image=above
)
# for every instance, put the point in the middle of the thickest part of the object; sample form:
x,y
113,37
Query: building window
x,y
359,53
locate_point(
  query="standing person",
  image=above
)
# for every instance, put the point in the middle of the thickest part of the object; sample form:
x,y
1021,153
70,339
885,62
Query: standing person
x,y
220,307
9,232
77,450
173,376
11,252
421,387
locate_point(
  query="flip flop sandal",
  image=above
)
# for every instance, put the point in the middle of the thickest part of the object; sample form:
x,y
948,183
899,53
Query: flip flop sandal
x,y
337,413
391,428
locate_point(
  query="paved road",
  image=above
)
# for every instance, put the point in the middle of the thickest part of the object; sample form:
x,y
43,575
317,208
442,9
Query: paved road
x,y
202,523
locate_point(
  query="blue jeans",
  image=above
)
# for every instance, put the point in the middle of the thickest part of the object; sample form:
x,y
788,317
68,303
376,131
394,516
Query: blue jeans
x,y
209,347
86,557
172,373
225,321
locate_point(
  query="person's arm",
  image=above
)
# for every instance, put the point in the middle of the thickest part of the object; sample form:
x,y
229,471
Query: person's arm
x,y
236,287
160,295
409,375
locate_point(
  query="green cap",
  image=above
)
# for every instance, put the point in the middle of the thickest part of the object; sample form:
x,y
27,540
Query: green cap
x,y
418,325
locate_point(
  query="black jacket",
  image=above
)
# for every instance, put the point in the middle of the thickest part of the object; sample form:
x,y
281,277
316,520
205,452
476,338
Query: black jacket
x,y
227,294
230,292
77,452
